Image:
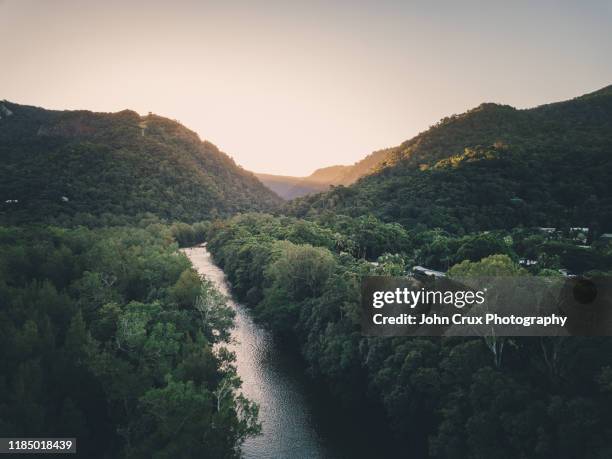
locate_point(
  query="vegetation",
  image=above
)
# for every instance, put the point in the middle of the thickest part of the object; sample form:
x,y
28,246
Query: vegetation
x,y
291,187
448,397
78,167
107,336
493,167
322,179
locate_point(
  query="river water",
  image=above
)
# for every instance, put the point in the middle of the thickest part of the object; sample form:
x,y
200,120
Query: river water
x,y
297,420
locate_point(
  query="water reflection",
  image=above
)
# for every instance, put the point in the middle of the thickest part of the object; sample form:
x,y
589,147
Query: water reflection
x,y
296,421
271,379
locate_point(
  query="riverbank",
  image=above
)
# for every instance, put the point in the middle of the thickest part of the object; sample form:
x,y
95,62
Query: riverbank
x,y
299,418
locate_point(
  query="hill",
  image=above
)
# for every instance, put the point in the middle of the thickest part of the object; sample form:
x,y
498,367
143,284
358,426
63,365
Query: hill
x,y
322,179
288,187
59,165
492,167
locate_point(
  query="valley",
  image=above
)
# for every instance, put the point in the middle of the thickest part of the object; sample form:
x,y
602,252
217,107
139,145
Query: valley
x,y
254,342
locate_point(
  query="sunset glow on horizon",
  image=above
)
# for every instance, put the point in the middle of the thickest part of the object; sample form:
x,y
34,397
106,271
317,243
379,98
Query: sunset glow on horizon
x,y
289,87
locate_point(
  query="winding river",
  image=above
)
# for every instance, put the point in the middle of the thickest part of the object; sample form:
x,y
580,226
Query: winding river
x,y
297,421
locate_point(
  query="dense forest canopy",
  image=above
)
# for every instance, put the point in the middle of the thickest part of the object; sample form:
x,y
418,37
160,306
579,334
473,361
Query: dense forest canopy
x,y
490,168
111,336
55,165
107,335
495,191
447,398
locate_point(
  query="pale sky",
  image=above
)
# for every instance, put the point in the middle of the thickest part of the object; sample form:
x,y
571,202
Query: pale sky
x,y
287,87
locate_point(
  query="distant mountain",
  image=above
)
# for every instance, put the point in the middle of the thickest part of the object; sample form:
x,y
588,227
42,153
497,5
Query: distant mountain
x,y
291,187
322,179
56,165
492,167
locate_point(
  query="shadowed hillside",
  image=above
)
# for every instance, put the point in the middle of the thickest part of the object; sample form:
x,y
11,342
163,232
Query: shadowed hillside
x,y
62,164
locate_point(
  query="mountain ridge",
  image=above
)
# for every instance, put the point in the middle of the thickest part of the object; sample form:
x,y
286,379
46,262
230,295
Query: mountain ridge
x,y
81,162
493,166
289,187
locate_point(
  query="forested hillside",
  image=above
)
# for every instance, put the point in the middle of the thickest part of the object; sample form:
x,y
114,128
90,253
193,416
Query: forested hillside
x,y
288,187
322,179
469,197
81,166
111,336
492,167
350,174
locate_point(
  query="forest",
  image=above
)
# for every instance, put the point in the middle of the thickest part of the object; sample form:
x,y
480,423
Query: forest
x,y
495,191
110,335
78,167
447,397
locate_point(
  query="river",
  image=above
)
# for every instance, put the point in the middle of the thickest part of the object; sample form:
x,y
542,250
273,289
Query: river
x,y
298,421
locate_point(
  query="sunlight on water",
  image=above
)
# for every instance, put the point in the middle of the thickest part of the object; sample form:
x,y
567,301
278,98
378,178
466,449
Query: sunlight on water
x,y
271,379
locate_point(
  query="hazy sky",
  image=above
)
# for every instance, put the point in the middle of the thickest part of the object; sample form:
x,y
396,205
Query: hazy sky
x,y
286,86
